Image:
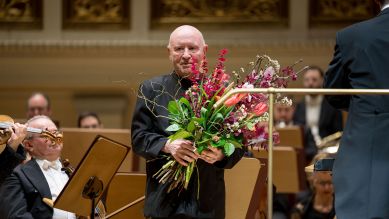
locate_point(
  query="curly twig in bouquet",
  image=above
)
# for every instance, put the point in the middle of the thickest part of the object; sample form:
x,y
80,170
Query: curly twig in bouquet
x,y
240,122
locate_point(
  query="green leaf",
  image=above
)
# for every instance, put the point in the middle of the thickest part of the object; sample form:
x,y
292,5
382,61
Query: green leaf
x,y
219,143
199,120
229,149
203,112
191,126
173,127
235,143
187,105
173,107
182,134
219,117
201,147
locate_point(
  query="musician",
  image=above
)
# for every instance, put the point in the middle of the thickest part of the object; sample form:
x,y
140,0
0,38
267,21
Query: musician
x,y
25,193
89,120
360,171
14,153
283,115
38,104
318,202
315,114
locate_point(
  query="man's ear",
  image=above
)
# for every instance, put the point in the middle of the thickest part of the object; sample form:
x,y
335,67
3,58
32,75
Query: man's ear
x,y
168,51
28,146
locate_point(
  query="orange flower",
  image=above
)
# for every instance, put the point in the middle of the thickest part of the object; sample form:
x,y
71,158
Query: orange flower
x,y
260,108
234,99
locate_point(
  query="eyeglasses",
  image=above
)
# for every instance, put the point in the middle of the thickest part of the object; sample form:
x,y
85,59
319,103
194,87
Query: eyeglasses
x,y
324,183
55,137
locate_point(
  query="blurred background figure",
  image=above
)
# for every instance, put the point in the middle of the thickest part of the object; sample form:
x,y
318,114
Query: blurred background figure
x,y
283,114
38,104
315,114
89,120
318,201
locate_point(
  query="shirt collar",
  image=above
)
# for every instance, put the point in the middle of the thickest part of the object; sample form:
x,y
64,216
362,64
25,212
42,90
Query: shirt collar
x,y
313,101
385,7
41,163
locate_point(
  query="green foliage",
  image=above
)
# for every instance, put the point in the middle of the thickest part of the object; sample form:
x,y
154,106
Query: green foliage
x,y
173,127
182,134
228,149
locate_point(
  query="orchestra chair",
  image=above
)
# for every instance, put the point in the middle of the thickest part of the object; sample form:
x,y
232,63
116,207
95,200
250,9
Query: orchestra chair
x,y
126,188
76,142
245,184
291,136
288,168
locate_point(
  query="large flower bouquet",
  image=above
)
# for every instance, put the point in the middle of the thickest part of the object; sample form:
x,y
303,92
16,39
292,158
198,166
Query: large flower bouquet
x,y
240,122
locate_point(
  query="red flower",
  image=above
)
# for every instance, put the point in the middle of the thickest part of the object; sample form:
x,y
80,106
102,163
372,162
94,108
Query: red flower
x,y
234,99
260,108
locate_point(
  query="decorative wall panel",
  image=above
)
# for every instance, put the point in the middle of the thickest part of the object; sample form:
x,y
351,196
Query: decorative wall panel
x,y
216,12
340,12
20,14
96,14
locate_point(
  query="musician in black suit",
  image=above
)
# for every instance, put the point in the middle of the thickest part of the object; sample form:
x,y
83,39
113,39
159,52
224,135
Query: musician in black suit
x,y
26,192
360,172
150,140
318,118
13,153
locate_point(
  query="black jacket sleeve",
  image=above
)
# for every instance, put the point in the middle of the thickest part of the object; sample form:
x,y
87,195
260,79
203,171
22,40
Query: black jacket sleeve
x,y
13,202
9,159
337,77
147,140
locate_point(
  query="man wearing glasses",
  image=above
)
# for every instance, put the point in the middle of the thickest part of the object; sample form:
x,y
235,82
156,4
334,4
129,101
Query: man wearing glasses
x,y
25,193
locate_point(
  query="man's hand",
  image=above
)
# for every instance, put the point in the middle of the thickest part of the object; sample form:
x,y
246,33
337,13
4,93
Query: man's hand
x,y
211,155
17,136
182,150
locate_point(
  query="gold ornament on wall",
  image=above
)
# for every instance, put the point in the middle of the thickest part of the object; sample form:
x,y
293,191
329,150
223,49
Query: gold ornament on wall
x,y
20,14
96,14
326,13
167,13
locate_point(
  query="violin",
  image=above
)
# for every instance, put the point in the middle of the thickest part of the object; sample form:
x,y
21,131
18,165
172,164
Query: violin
x,y
7,122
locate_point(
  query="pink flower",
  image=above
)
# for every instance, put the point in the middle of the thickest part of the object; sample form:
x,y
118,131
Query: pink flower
x,y
234,99
260,108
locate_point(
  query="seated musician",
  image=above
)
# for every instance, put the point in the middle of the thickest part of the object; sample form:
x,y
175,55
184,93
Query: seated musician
x,y
283,114
29,189
319,203
14,153
89,120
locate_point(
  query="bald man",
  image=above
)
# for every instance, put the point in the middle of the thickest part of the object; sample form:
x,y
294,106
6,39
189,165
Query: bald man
x,y
150,139
38,104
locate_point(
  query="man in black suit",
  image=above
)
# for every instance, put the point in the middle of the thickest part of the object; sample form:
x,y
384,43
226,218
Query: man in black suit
x,y
360,171
150,139
13,153
318,118
26,192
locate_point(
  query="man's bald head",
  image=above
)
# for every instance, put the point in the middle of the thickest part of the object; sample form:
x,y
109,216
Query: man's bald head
x,y
186,47
186,30
38,104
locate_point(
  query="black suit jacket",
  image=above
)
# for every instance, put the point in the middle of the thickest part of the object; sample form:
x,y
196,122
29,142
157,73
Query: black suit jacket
x,y
9,159
21,194
330,121
148,138
360,176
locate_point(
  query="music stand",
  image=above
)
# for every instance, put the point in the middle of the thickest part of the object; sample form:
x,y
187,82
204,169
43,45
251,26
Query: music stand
x,y
92,177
